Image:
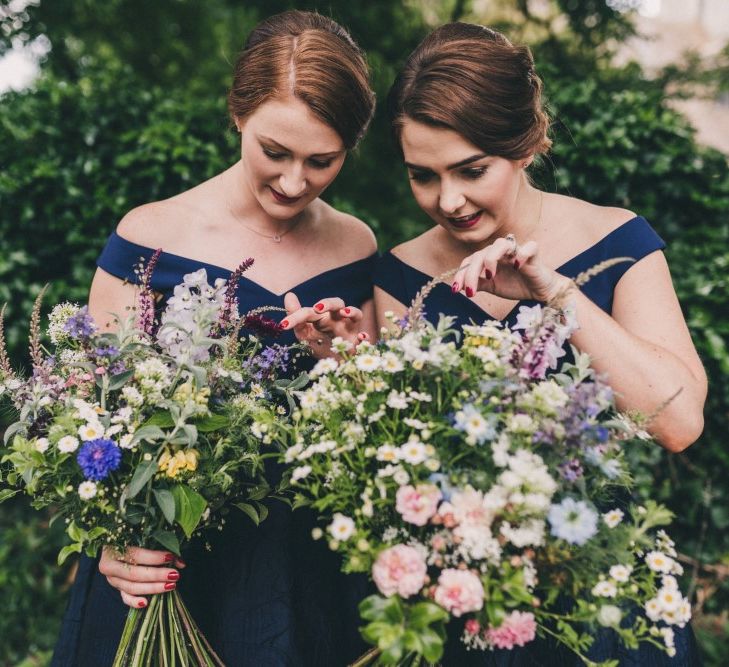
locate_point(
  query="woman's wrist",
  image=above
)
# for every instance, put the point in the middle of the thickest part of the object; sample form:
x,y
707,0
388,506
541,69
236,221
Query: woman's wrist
x,y
559,290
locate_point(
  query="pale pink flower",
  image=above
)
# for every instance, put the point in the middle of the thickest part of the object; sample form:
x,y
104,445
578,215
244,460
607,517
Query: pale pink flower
x,y
400,569
417,504
459,591
518,629
472,627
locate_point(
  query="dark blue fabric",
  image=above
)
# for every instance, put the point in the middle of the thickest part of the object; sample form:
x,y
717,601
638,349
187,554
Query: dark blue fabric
x,y
263,596
635,239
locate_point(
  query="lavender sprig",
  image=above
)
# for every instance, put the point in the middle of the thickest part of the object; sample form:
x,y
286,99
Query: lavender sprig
x,y
36,352
5,367
145,300
230,303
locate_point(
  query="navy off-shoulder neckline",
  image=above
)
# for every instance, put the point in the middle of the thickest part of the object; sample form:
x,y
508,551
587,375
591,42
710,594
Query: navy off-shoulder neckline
x,y
224,272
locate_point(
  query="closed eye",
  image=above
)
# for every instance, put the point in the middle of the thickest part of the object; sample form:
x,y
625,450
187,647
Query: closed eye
x,y
474,173
273,155
320,164
421,176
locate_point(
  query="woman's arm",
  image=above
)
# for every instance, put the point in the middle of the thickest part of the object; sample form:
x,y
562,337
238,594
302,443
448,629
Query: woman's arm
x,y
646,351
386,303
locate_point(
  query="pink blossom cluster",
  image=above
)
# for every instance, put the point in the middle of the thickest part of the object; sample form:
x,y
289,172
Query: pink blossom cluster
x,y
400,569
417,504
517,629
459,591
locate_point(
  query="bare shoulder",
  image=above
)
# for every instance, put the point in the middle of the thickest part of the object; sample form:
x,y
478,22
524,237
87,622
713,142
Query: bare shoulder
x,y
586,221
163,224
352,238
425,252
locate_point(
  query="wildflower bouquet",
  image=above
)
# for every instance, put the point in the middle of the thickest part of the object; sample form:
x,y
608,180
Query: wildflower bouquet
x,y
477,491
140,437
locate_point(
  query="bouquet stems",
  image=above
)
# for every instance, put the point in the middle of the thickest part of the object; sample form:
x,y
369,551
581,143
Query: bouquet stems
x,y
164,635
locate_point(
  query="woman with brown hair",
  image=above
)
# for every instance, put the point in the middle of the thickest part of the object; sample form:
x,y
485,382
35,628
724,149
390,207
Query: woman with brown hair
x,y
301,100
467,116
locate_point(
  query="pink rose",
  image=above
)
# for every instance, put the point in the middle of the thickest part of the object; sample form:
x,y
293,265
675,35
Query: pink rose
x,y
518,629
472,626
400,569
417,504
459,591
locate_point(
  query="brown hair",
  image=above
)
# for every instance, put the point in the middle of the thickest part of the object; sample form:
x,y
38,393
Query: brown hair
x,y
474,81
312,58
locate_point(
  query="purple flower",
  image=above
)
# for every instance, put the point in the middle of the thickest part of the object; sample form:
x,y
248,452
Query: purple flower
x,y
107,351
571,470
262,326
268,361
81,325
117,367
98,458
146,300
230,303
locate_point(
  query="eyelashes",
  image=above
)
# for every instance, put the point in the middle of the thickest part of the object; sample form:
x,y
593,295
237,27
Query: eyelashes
x,y
471,174
317,164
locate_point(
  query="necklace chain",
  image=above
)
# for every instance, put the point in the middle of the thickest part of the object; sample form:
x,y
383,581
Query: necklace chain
x,y
276,238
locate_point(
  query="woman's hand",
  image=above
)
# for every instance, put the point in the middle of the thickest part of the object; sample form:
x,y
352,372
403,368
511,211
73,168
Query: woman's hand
x,y
326,319
140,572
511,275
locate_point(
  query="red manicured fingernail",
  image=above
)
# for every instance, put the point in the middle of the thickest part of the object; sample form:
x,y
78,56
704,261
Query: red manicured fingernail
x,y
173,576
170,587
363,335
469,292
347,311
181,563
454,288
141,604
319,307
488,274
285,323
517,264
169,558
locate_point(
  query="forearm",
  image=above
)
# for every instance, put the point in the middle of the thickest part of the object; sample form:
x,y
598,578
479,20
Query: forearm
x,y
643,375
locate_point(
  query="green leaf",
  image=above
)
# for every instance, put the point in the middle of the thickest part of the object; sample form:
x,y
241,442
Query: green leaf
x,y
118,381
144,472
249,510
189,506
424,613
211,423
64,553
166,502
148,433
168,540
7,493
432,645
378,608
161,419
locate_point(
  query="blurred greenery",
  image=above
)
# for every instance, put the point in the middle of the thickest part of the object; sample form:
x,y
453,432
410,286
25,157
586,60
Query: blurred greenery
x,y
130,108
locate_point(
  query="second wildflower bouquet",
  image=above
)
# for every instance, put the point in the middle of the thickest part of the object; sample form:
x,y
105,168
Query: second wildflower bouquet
x,y
481,493
139,437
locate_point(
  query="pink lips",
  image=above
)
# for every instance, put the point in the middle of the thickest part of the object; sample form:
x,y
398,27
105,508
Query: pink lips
x,y
283,199
465,223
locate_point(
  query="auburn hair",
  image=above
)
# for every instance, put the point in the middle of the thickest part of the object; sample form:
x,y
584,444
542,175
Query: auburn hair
x,y
312,58
473,80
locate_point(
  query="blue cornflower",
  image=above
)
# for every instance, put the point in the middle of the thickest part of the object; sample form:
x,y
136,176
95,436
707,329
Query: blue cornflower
x,y
98,458
81,325
573,520
571,470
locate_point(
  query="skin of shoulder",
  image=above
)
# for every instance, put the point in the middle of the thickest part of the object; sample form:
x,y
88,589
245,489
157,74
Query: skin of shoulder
x,y
347,236
157,224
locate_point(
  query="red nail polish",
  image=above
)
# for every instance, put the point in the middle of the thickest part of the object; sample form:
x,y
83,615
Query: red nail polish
x,y
319,307
363,335
169,558
285,323
170,587
469,292
141,604
516,264
488,274
173,576
454,288
347,311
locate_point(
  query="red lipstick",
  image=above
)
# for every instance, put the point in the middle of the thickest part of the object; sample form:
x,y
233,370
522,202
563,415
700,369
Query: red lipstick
x,y
281,198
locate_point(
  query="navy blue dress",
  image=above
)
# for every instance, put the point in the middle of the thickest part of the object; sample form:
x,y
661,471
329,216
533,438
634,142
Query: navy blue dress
x,y
266,596
635,239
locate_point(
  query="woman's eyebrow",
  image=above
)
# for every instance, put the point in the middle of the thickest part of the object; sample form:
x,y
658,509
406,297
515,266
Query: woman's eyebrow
x,y
455,165
268,140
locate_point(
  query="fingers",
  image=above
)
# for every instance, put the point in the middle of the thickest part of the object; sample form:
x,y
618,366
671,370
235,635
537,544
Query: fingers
x,y
524,253
133,581
291,302
484,264
324,310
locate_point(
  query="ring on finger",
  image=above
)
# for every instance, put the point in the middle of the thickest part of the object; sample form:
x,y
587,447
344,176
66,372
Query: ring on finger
x,y
514,246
